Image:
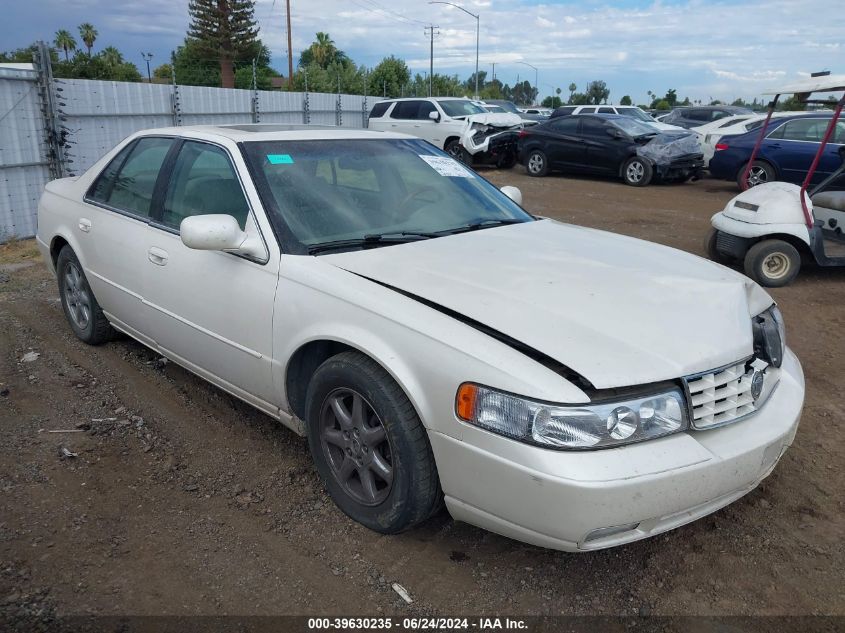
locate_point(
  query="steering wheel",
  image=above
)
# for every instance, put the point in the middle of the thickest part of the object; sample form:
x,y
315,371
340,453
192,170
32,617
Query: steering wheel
x,y
415,193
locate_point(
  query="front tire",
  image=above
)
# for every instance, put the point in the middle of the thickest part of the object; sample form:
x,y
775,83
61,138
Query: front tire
x,y
772,263
761,173
637,172
369,446
458,152
80,306
537,163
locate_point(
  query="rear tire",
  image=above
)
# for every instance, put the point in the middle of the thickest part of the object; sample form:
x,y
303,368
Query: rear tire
x,y
772,263
506,161
637,172
369,446
79,304
537,164
761,173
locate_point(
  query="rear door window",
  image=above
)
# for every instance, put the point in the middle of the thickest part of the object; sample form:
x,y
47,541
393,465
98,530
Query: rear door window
x,y
587,111
406,110
565,125
811,130
607,111
130,186
593,127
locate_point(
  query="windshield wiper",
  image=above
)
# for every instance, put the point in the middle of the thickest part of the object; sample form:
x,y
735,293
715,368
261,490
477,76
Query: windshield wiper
x,y
486,224
372,240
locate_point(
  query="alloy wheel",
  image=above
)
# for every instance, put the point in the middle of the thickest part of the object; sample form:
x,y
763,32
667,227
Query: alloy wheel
x,y
356,446
77,296
757,176
635,172
535,163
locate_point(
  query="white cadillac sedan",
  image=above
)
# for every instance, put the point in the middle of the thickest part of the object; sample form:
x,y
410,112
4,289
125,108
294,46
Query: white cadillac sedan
x,y
563,386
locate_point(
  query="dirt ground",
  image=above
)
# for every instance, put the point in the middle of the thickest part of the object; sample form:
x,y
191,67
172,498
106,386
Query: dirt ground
x,y
182,500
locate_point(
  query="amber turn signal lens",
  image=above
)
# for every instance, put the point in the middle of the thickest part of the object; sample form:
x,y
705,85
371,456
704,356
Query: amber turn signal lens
x,y
465,402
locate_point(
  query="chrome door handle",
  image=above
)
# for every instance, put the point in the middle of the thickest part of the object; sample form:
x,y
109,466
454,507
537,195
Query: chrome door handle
x,y
84,225
157,256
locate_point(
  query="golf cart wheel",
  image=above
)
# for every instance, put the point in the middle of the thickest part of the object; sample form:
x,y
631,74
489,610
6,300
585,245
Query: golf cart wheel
x,y
369,445
537,163
712,252
761,173
457,151
637,172
772,263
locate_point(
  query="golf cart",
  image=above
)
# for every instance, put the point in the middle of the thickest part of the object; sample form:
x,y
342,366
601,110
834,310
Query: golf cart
x,y
771,226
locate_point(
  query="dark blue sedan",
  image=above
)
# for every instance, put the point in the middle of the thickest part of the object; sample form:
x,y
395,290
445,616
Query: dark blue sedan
x,y
785,154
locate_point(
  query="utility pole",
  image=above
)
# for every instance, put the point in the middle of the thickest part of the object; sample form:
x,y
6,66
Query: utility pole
x,y
290,49
477,31
147,57
432,33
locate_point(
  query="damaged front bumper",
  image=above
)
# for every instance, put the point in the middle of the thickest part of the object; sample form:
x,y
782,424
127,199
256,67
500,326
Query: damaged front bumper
x,y
492,139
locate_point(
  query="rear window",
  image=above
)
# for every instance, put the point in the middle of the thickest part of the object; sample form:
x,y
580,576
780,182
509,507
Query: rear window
x,y
563,111
379,109
587,111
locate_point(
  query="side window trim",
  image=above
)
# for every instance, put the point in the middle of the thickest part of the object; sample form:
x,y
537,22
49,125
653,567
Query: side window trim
x,y
163,182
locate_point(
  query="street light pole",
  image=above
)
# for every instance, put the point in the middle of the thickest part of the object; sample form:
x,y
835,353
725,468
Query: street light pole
x,y
477,34
147,57
536,85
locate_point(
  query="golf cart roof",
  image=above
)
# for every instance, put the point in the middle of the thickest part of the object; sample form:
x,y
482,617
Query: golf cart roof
x,y
825,83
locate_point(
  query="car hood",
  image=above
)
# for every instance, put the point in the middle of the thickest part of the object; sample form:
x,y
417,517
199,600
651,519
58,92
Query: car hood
x,y
617,310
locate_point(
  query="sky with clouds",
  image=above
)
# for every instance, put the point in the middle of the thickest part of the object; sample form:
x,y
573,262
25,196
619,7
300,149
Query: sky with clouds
x,y
702,48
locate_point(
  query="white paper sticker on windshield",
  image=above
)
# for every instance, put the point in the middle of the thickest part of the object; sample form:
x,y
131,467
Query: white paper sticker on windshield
x,y
446,166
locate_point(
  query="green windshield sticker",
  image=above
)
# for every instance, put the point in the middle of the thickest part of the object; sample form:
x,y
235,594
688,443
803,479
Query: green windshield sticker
x,y
280,159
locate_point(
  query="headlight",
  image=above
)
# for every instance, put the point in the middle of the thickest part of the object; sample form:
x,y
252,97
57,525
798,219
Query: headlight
x,y
769,336
584,426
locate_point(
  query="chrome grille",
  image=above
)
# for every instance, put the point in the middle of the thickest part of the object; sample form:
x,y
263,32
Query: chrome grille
x,y
721,396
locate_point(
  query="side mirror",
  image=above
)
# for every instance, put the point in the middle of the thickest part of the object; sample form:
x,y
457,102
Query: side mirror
x,y
434,115
513,193
218,232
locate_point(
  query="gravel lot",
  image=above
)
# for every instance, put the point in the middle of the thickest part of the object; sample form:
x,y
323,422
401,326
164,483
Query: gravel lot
x,y
178,499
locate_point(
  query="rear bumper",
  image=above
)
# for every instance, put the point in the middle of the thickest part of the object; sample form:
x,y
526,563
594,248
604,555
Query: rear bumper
x,y
561,499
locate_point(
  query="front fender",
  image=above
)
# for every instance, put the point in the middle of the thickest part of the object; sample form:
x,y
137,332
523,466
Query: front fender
x,y
739,228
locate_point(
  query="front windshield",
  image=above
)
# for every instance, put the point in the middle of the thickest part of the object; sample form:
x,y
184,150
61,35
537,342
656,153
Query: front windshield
x,y
459,107
634,128
635,113
353,189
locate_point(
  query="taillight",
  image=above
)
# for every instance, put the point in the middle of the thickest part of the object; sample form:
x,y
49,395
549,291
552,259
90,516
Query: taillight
x,y
721,146
522,134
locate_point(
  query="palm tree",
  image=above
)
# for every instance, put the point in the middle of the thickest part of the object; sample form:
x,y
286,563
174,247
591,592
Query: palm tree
x,y
324,49
64,40
572,89
111,56
88,34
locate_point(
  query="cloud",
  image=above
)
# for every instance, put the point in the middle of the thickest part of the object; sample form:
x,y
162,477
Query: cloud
x,y
635,46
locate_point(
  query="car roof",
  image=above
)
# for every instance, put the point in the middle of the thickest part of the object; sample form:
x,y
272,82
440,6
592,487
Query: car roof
x,y
424,98
271,132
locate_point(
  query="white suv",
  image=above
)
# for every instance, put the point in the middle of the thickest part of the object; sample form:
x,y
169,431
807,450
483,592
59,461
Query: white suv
x,y
634,112
438,120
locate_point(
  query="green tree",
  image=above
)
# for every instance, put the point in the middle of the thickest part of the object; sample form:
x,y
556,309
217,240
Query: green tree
x,y
88,34
552,102
164,71
389,77
572,89
263,77
323,52
598,92
64,40
579,98
792,104
671,97
25,55
111,56
662,104
226,31
626,100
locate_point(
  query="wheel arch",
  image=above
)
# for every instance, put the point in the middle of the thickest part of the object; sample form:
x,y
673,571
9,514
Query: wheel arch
x,y
758,159
449,139
309,355
800,245
56,245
